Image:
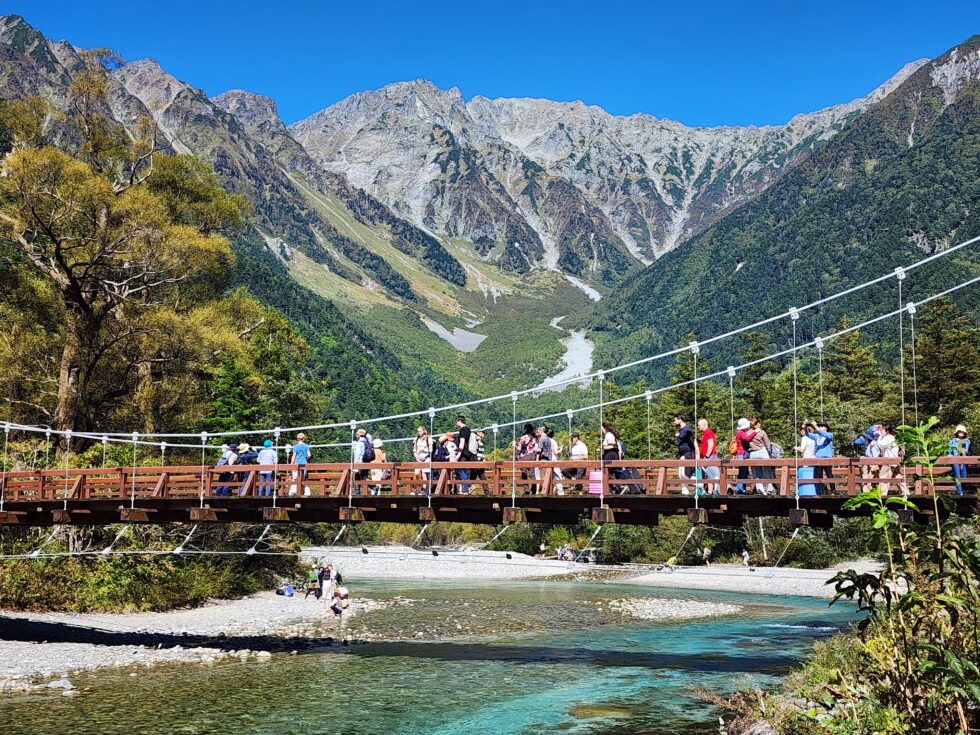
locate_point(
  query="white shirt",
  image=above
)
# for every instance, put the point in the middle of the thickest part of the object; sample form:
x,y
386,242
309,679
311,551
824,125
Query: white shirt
x,y
888,446
808,447
578,452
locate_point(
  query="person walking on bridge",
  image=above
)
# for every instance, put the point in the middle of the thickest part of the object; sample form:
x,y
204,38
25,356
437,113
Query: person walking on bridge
x,y
823,440
422,447
709,451
743,441
362,451
685,450
268,457
467,453
300,456
959,446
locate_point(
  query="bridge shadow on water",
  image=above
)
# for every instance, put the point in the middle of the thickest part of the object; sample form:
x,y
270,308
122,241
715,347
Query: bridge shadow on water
x,y
19,629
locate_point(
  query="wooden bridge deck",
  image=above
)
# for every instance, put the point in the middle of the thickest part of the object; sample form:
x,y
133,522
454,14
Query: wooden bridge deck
x,y
505,492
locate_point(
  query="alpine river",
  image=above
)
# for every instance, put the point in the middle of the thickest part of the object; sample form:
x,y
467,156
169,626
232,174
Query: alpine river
x,y
566,666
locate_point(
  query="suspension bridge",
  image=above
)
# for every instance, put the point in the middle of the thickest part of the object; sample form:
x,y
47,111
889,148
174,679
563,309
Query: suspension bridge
x,y
507,491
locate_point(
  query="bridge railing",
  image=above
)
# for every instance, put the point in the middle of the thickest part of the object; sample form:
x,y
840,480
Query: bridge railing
x,y
840,476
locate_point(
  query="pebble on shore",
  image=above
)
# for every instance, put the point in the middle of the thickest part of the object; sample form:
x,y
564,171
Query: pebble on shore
x,y
644,608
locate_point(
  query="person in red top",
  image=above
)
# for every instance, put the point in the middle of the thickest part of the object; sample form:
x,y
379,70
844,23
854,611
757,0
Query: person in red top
x,y
743,436
709,450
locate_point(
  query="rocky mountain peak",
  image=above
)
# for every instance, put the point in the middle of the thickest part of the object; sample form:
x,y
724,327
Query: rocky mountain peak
x,y
254,111
23,37
154,87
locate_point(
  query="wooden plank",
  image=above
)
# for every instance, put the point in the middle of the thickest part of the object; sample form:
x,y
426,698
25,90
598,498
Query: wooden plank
x,y
77,488
661,481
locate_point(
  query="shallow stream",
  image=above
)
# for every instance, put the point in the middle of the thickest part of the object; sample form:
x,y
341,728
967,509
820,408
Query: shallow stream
x,y
565,661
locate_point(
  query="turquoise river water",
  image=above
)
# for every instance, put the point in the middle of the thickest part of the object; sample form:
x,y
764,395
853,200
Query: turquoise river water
x,y
562,668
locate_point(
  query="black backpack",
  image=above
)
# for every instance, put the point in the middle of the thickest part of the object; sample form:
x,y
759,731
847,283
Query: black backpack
x,y
368,449
340,578
440,453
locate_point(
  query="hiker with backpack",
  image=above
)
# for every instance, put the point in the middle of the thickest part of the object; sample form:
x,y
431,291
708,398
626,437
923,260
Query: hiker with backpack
x,y
739,448
761,448
889,448
362,452
959,446
467,453
868,441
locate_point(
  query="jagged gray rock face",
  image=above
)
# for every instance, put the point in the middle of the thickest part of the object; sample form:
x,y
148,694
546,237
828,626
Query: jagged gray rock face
x,y
571,173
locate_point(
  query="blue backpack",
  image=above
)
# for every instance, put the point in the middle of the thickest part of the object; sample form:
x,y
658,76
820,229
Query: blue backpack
x,y
368,449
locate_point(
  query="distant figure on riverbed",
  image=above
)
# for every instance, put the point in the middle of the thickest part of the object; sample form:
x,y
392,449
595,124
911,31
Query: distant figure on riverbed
x,y
745,557
341,600
706,556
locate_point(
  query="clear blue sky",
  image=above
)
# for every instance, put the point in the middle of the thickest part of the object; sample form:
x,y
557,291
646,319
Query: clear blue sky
x,y
697,61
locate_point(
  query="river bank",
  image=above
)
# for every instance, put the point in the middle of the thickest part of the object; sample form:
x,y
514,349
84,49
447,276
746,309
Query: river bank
x,y
45,650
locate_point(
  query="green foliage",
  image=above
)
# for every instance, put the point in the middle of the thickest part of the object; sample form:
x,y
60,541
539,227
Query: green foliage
x,y
133,582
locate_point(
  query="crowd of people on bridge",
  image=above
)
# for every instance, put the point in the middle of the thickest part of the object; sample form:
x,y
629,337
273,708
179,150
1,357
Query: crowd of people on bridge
x,y
697,445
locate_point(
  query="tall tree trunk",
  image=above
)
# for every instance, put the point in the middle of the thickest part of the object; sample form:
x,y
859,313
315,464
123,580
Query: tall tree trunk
x,y
71,376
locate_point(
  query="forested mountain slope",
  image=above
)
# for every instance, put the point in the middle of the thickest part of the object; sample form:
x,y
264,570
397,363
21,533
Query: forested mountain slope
x,y
901,181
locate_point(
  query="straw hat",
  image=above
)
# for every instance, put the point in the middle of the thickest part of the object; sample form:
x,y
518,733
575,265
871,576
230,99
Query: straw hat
x,y
243,447
960,429
377,444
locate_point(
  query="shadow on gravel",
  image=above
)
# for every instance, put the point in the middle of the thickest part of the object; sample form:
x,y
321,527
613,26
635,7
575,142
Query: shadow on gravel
x,y
18,629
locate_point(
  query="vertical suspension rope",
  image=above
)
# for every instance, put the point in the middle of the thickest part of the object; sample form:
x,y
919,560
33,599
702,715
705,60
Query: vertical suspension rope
x,y
602,439
67,459
105,451
915,384
794,316
277,437
132,491
204,441
649,397
350,485
6,468
819,343
163,454
900,276
513,452
731,395
695,351
47,449
432,439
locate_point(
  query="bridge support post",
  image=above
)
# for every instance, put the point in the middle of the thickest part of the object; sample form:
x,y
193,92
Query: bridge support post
x,y
799,517
514,515
349,514
603,515
275,515
205,514
697,515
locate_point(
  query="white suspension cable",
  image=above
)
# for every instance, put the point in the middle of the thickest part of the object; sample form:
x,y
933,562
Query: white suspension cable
x,y
900,276
6,467
695,351
915,383
794,317
580,378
